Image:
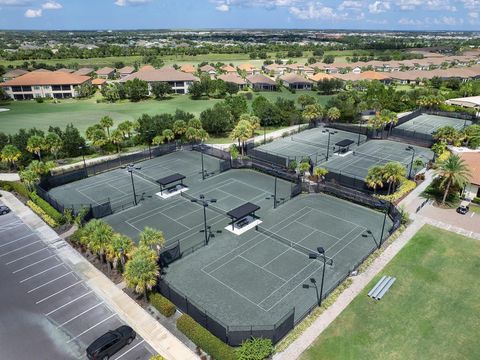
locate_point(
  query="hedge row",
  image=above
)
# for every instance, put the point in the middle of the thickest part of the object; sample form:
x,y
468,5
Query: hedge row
x,y
15,186
476,200
47,208
39,211
212,345
162,304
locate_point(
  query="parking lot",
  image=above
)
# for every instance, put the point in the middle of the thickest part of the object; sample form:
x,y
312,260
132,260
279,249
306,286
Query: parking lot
x,y
47,310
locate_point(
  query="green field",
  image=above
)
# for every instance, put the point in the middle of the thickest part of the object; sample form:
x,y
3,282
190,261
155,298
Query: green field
x,y
83,113
431,312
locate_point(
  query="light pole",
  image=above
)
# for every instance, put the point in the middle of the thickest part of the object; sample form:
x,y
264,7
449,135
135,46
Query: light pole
x,y
131,168
329,132
203,166
149,141
411,148
83,156
308,286
313,256
204,202
368,233
383,226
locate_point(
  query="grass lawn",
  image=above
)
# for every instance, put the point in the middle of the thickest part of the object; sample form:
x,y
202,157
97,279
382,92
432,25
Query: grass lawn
x,y
83,113
431,312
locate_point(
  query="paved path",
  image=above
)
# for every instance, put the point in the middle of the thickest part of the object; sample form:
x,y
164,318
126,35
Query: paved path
x,y
160,339
9,177
359,282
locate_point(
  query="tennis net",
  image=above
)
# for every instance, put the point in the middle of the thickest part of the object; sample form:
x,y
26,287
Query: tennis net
x,y
210,206
311,143
292,244
382,160
146,177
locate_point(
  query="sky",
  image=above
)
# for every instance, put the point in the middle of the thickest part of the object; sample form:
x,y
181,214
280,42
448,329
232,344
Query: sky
x,y
290,14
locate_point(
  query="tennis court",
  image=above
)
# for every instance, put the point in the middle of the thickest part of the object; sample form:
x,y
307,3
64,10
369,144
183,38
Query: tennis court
x,y
427,124
116,185
312,143
372,153
256,278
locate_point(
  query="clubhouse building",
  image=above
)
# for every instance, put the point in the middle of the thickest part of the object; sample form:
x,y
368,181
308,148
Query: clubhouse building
x,y
44,84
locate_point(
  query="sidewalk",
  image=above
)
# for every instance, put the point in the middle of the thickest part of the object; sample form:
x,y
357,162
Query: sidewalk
x,y
361,281
9,177
155,334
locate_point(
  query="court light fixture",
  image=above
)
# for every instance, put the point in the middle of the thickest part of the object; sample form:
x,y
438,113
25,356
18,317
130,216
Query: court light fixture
x,y
204,202
411,148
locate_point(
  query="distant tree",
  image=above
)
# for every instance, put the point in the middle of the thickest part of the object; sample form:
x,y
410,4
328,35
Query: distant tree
x,y
86,90
126,127
179,127
312,112
136,89
305,99
117,139
217,120
111,92
161,89
53,143
73,142
329,59
333,114
106,122
237,105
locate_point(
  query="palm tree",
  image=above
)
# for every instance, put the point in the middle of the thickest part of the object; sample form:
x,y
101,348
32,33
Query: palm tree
x,y
393,173
10,154
179,127
452,172
119,249
191,134
333,114
126,127
35,145
303,167
142,271
312,112
158,140
168,135
106,122
202,135
242,132
374,177
418,164
152,238
320,173
38,167
117,138
53,143
30,178
100,236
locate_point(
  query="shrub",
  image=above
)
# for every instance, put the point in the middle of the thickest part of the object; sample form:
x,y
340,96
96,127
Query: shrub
x,y
157,357
38,210
47,208
404,189
162,304
255,349
15,186
476,200
204,339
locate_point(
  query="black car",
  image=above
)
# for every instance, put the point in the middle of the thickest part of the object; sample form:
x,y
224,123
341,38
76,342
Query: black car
x,y
463,208
4,209
110,342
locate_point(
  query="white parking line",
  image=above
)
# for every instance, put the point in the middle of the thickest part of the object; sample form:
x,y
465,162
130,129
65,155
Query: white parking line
x,y
58,292
41,272
68,303
23,257
126,352
49,282
76,316
20,238
20,248
90,328
33,264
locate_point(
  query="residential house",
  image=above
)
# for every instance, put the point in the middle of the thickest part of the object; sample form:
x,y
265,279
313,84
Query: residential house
x,y
229,69
357,70
320,77
468,102
178,80
261,82
188,68
472,160
208,69
65,70
274,70
146,68
125,71
42,84
296,82
99,83
105,73
12,74
84,71
233,78
300,69
248,69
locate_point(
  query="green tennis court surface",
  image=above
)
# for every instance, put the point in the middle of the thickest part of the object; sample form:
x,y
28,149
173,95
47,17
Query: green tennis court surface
x,y
116,185
427,124
311,143
375,152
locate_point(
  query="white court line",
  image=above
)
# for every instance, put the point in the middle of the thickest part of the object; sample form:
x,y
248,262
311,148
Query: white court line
x,y
334,216
58,292
20,248
49,282
251,262
88,197
90,328
117,189
40,273
68,303
35,263
23,257
317,230
20,238
346,245
82,313
126,352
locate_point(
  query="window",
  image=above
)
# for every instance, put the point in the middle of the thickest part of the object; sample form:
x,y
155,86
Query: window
x,y
46,87
56,87
37,87
16,88
66,87
27,88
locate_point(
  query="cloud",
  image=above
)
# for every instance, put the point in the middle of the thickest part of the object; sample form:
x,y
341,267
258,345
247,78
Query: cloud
x,y
222,7
15,2
447,20
410,22
52,5
379,7
131,2
350,5
32,13
471,4
312,11
225,5
473,15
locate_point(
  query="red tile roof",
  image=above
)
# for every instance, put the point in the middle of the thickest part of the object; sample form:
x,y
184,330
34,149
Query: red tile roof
x,y
472,160
47,78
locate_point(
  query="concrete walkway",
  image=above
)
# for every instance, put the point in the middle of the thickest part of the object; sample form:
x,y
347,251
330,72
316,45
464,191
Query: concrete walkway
x,y
9,177
359,282
156,335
